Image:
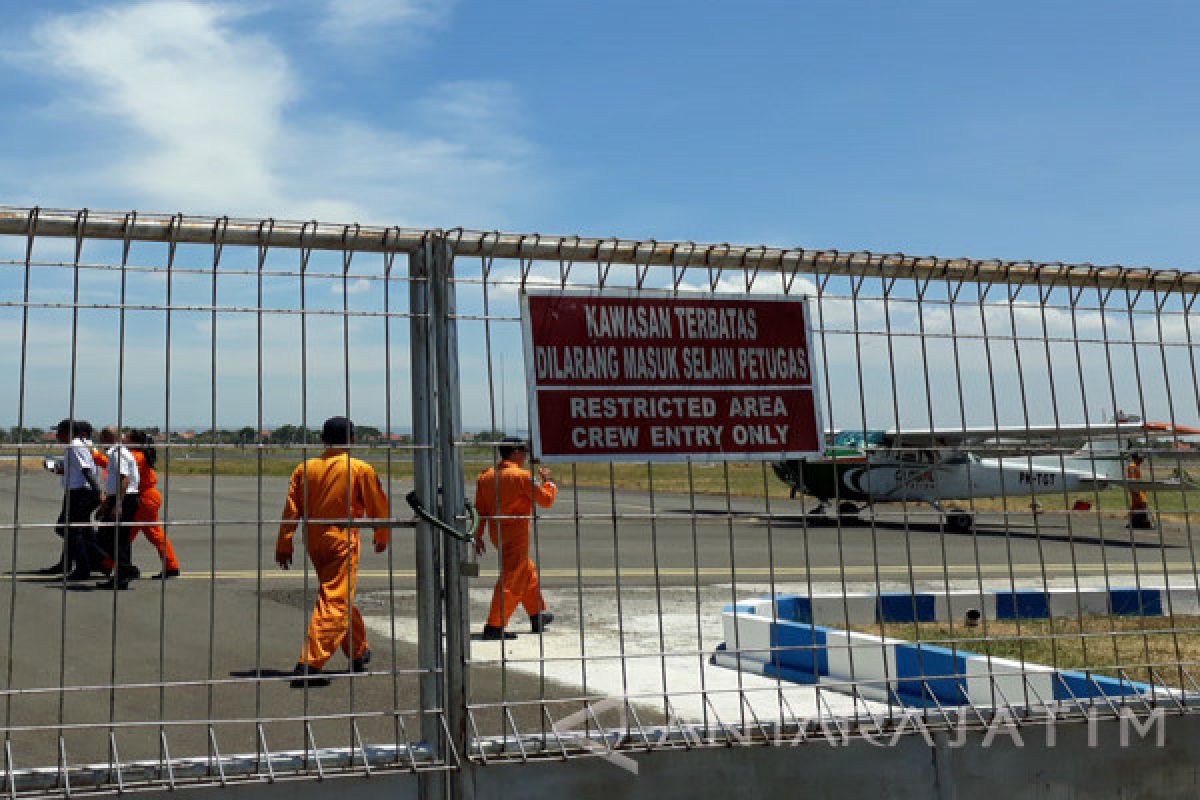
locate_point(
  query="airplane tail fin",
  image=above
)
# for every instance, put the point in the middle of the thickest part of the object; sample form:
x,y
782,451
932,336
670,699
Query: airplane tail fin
x,y
1100,456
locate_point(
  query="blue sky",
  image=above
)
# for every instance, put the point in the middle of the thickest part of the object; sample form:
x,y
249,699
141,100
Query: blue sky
x,y
1048,131
1055,131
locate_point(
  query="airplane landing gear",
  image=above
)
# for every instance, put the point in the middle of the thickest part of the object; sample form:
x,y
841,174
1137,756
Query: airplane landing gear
x,y
848,512
960,522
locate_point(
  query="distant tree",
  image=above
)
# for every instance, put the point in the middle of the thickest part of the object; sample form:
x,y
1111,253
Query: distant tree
x,y
23,435
367,434
285,434
490,436
247,435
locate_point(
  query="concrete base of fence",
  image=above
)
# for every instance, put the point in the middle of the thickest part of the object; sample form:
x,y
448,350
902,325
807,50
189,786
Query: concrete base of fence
x,y
775,637
1078,761
911,769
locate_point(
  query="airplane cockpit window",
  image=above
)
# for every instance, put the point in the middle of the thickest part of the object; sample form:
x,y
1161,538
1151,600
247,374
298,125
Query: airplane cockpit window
x,y
859,439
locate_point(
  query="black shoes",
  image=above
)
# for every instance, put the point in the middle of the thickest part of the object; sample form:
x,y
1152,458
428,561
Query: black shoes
x,y
120,577
537,624
493,634
305,675
120,584
308,675
165,574
79,574
53,569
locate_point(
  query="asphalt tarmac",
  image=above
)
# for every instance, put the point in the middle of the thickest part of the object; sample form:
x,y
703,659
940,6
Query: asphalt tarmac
x,y
225,635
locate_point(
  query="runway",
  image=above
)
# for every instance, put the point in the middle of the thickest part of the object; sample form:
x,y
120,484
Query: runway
x,y
230,628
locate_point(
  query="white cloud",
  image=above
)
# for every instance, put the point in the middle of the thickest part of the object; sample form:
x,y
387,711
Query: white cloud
x,y
204,114
356,286
200,105
351,20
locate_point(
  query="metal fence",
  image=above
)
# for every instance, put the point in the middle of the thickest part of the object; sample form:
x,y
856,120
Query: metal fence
x,y
982,561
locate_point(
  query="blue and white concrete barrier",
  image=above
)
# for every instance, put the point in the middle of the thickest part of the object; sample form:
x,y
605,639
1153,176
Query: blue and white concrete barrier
x,y
863,608
777,638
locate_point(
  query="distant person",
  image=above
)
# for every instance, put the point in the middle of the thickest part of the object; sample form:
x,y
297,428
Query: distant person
x,y
81,498
333,486
141,444
505,496
118,509
1139,509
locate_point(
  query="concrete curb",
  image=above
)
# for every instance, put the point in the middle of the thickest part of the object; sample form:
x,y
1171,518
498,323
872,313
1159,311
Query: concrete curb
x,y
865,608
785,644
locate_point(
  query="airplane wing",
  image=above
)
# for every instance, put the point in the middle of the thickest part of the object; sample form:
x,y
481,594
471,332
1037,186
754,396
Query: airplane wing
x,y
1162,485
1029,438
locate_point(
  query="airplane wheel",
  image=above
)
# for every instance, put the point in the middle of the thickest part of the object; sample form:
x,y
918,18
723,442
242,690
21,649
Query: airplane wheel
x,y
960,522
848,513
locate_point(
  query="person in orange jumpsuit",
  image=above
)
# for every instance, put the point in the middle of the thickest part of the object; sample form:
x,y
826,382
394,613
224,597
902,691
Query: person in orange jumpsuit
x,y
1139,508
141,444
333,486
505,496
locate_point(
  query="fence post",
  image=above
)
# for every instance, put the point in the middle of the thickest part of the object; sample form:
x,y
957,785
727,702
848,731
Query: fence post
x,y
425,468
449,433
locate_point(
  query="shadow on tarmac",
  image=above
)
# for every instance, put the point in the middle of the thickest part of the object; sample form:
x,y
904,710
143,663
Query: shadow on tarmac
x,y
313,682
1045,533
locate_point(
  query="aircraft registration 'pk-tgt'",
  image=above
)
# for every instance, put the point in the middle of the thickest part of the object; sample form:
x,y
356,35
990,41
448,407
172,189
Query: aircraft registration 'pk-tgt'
x,y
939,465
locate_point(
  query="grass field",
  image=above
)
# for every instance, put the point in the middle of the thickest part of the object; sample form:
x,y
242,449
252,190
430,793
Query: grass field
x,y
1100,643
739,479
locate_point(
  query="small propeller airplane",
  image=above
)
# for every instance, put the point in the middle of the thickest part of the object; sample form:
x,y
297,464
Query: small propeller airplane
x,y
938,465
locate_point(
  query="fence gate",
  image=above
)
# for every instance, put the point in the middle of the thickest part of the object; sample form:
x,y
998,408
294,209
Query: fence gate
x,y
968,539
230,341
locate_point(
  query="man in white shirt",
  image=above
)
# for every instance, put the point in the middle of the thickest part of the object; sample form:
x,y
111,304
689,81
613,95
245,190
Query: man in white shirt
x,y
118,508
81,496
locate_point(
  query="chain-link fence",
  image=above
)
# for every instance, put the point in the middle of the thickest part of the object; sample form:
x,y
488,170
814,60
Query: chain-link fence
x,y
971,540
996,522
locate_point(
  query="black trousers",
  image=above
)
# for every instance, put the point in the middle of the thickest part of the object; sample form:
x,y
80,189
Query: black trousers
x,y
114,538
75,526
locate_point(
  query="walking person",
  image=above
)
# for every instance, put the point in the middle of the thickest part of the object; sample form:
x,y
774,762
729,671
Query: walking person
x,y
81,497
141,444
505,496
333,486
118,509
1139,507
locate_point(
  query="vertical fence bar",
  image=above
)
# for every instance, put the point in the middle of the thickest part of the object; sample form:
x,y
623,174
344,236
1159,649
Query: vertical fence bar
x,y
449,408
425,466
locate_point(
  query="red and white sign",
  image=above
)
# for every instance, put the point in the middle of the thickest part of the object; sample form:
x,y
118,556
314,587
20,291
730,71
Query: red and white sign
x,y
617,377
